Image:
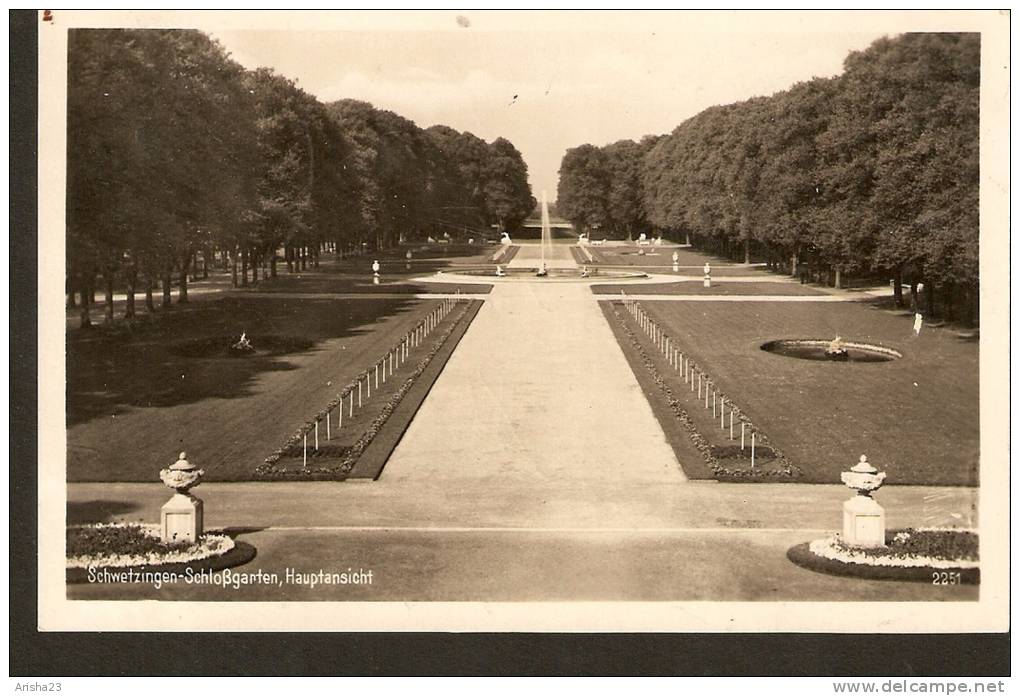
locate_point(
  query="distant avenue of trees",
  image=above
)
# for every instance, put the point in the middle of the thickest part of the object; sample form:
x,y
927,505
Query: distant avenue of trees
x,y
872,171
177,155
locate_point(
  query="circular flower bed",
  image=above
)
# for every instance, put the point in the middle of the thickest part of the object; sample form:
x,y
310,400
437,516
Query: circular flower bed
x,y
938,556
139,547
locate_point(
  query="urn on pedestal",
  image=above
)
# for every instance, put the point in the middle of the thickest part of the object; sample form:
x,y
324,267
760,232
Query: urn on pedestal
x,y
181,516
863,517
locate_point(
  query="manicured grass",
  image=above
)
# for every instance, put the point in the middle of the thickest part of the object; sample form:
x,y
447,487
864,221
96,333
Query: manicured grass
x,y
629,255
395,282
446,253
364,431
719,287
916,418
134,400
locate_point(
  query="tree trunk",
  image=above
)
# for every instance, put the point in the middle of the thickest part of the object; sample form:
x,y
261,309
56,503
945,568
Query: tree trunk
x,y
149,304
71,301
949,297
929,299
255,267
244,267
166,281
794,262
233,269
131,279
183,296
108,287
747,251
839,280
272,264
315,258
898,287
86,305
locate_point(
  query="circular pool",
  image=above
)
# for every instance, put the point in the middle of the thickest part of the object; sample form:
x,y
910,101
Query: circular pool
x,y
819,349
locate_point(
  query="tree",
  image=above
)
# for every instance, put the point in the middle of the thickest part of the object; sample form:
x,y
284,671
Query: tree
x,y
508,199
582,195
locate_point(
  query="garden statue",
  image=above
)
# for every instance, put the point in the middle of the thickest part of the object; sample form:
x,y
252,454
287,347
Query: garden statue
x,y
836,350
863,517
375,268
499,271
243,344
505,239
676,257
181,516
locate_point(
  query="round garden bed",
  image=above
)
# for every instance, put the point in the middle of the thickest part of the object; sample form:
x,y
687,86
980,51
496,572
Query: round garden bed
x,y
138,548
818,349
936,556
223,347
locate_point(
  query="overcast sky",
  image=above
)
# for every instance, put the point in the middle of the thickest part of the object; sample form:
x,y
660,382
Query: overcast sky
x,y
560,84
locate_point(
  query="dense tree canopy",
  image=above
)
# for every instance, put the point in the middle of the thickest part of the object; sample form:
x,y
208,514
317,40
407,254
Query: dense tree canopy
x,y
874,171
176,153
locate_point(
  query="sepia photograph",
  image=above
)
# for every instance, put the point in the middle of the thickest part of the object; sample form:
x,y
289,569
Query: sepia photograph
x,y
524,321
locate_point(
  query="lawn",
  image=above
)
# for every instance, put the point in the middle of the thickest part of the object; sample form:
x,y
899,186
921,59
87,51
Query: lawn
x,y
629,255
916,418
719,287
391,281
136,396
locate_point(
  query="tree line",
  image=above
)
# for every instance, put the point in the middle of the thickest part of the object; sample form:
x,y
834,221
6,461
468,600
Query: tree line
x,y
873,172
179,159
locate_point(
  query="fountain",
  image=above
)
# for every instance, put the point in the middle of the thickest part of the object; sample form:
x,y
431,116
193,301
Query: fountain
x,y
546,237
243,345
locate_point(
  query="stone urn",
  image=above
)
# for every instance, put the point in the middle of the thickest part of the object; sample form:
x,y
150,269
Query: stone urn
x,y
181,516
863,517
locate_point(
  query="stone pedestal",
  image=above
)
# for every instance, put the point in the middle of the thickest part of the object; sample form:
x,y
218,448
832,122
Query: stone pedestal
x,y
863,522
863,517
707,282
181,518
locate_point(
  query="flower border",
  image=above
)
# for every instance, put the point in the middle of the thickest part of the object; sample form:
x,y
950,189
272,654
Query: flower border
x,y
269,469
210,546
787,471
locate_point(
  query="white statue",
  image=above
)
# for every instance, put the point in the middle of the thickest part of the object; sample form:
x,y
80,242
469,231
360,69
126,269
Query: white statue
x,y
505,239
375,267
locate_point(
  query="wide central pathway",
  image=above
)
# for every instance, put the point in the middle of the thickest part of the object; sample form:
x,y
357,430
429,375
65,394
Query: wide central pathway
x,y
539,407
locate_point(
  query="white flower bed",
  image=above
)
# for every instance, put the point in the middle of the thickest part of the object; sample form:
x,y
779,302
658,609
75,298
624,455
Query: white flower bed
x,y
831,548
211,545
